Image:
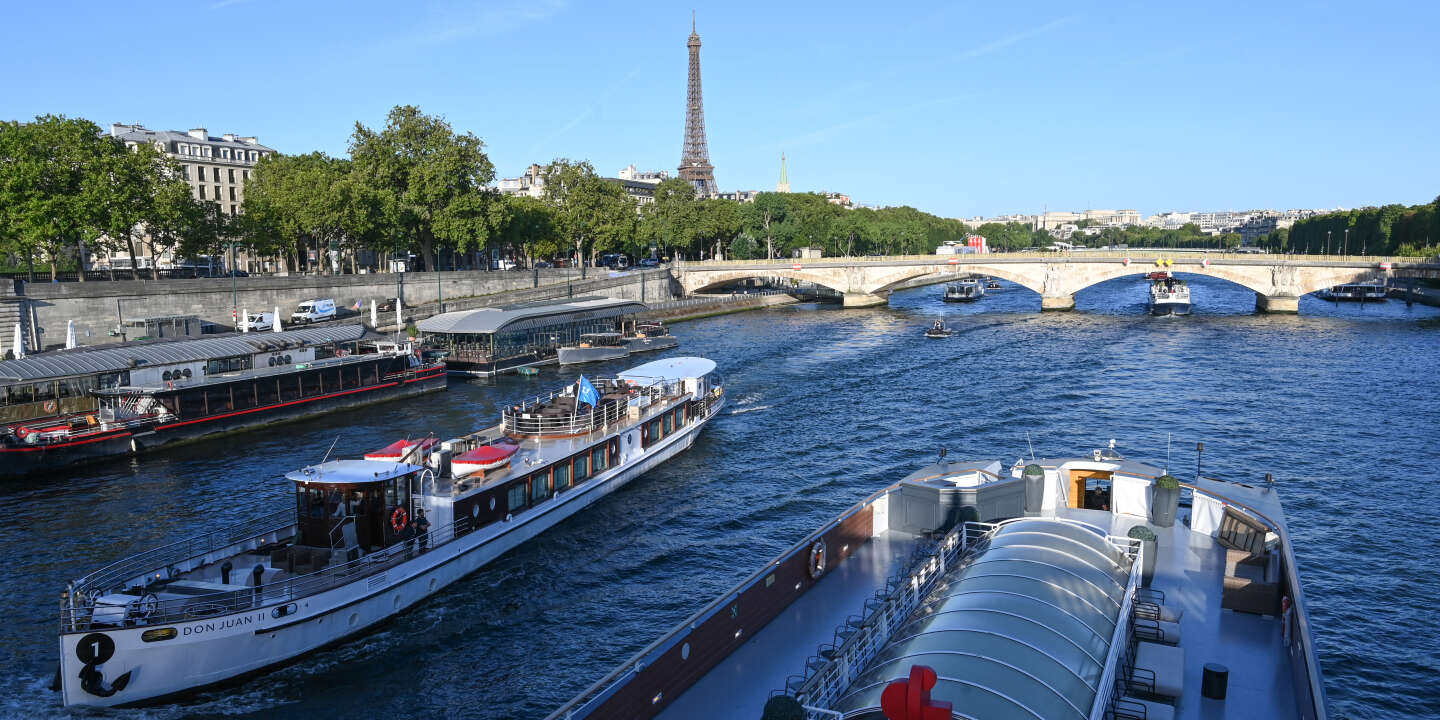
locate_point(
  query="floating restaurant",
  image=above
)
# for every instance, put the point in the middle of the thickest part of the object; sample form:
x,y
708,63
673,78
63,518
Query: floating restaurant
x,y
493,340
69,406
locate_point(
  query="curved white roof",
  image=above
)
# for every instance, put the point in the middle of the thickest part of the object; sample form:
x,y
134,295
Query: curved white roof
x,y
1021,630
669,370
528,315
352,471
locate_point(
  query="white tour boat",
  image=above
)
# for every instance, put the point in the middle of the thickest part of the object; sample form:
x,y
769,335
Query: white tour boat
x,y
1073,588
964,291
347,553
1169,295
1373,291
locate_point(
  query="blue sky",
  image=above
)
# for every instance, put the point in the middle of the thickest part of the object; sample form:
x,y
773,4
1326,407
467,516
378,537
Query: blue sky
x,y
960,109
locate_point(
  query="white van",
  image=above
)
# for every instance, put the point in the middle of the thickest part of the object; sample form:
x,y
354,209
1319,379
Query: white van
x,y
314,311
256,322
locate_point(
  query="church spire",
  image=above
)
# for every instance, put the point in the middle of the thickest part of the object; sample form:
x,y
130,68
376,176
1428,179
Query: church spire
x,y
784,184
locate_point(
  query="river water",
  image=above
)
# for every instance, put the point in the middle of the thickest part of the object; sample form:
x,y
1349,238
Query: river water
x,y
826,405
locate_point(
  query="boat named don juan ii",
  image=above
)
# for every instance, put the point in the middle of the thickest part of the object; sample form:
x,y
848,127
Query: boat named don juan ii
x,y
347,553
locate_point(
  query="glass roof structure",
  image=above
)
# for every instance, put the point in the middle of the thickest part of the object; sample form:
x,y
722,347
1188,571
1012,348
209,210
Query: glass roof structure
x,y
1020,628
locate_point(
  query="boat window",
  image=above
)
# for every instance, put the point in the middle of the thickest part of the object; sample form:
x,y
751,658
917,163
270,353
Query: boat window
x,y
324,351
669,423
597,459
231,364
44,391
679,416
244,395
267,392
540,486
111,380
370,374
315,502
332,380
311,383
562,476
516,501
218,400
349,377
390,494
192,403
582,466
289,387
357,503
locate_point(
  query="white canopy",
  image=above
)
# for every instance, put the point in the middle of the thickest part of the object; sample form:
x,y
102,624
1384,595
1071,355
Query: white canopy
x,y
669,370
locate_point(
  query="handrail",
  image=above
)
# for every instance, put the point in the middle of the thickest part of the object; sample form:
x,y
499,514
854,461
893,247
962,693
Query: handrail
x,y
78,618
133,566
604,687
1297,597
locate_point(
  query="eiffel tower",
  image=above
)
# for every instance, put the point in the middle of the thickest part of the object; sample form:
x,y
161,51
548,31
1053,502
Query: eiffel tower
x,y
695,156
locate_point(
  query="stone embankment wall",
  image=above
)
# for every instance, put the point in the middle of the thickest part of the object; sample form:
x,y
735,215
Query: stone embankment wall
x,y
97,307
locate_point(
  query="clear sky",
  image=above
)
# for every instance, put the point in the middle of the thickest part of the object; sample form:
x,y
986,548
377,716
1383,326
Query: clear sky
x,y
957,108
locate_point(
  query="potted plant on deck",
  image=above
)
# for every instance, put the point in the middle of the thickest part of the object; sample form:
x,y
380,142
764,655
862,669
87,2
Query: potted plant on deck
x,y
1165,502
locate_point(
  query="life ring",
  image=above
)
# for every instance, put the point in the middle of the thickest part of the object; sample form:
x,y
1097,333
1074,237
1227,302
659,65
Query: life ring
x,y
399,518
817,560
49,406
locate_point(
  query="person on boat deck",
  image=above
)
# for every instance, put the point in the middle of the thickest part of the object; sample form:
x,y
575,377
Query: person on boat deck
x,y
422,528
939,325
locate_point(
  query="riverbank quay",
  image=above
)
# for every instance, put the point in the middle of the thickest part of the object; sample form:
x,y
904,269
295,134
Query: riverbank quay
x,y
1422,295
98,309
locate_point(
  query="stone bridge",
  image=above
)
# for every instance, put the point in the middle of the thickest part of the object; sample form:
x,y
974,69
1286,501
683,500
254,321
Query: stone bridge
x,y
1278,280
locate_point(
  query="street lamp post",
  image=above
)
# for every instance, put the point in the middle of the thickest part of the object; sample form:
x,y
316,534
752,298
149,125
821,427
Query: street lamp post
x,y
1346,250
1327,242
234,302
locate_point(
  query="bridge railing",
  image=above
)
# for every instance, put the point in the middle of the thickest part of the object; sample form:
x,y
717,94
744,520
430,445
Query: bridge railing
x,y
1180,255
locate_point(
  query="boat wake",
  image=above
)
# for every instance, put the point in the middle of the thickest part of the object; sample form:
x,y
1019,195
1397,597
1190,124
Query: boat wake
x,y
743,410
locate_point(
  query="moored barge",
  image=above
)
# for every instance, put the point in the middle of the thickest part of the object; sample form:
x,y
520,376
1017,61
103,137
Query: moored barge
x,y
1073,588
351,550
73,406
493,340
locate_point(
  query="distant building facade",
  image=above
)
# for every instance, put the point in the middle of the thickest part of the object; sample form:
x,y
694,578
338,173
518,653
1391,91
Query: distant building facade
x,y
216,169
530,184
654,177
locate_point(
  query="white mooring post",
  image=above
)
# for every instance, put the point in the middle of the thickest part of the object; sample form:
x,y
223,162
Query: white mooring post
x,y
244,320
374,315
19,342
70,335
276,326
399,318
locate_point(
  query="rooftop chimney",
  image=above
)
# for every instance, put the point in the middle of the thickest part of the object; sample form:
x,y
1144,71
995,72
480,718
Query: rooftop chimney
x,y
230,137
199,134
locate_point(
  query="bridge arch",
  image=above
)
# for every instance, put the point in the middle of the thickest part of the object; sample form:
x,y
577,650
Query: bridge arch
x,y
887,282
709,280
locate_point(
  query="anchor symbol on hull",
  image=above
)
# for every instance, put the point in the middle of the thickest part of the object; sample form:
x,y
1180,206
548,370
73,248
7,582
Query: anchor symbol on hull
x,y
93,650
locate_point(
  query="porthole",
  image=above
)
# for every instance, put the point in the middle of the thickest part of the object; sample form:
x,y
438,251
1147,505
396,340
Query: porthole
x,y
166,376
288,360
475,509
187,373
397,599
433,583
685,651
355,620
492,505
272,361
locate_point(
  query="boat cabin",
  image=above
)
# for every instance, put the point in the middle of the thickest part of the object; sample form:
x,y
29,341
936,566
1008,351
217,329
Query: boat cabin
x,y
352,506
601,339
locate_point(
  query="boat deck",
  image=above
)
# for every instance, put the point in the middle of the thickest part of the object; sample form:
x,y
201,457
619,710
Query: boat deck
x,y
740,684
1190,570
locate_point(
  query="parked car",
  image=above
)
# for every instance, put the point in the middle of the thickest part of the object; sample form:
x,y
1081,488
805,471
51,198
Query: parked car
x,y
313,311
255,322
648,263
544,264
389,306
502,265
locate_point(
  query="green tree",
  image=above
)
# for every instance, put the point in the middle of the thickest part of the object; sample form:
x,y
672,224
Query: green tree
x,y
672,222
591,213
430,180
44,167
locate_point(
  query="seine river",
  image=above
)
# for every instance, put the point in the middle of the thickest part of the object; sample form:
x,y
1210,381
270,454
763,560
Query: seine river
x,y
826,405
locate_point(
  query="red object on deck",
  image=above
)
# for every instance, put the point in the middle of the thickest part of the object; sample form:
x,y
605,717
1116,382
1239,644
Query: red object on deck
x,y
399,448
487,454
910,699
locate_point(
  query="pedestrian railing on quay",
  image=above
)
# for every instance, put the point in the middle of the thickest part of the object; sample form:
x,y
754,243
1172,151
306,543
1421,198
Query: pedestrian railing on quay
x,y
525,418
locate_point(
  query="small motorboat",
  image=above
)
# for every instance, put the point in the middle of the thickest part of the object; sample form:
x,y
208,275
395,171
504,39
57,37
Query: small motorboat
x,y
485,457
992,284
400,451
937,331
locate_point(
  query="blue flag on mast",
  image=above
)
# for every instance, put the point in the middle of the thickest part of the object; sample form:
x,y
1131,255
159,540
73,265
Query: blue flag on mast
x,y
587,394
